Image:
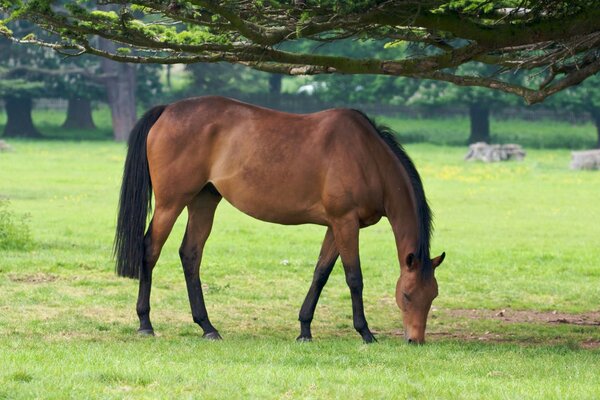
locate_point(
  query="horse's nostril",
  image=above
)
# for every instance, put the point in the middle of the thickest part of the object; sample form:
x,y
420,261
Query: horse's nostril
x,y
410,341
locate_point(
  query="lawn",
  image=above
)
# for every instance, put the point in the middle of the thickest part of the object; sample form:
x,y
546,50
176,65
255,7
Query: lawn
x,y
517,315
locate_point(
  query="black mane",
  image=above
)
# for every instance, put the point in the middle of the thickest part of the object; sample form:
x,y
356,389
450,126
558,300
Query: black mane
x,y
423,211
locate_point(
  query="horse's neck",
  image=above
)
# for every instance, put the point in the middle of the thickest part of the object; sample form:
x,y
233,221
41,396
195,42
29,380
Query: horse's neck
x,y
401,213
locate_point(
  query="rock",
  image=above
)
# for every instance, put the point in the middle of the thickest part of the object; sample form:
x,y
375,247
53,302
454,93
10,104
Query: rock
x,y
589,159
5,146
482,151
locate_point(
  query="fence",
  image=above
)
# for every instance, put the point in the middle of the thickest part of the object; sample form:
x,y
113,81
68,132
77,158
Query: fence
x,y
302,103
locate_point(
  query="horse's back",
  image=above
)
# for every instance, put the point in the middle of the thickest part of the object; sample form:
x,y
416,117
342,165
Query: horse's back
x,y
275,166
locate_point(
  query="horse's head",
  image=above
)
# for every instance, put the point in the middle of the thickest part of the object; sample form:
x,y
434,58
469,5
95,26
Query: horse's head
x,y
415,292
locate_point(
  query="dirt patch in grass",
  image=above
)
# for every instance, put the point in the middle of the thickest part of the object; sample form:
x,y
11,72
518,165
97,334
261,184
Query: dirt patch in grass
x,y
517,317
39,277
537,317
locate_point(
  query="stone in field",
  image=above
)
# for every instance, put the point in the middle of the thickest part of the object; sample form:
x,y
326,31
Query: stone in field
x,y
588,159
482,151
5,146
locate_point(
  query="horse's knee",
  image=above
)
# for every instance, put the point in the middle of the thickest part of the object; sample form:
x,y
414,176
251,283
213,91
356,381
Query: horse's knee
x,y
321,277
354,281
186,254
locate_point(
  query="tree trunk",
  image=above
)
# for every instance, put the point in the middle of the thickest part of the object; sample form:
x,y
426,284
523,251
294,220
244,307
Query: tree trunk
x,y
596,118
275,84
79,114
480,123
169,83
19,122
120,89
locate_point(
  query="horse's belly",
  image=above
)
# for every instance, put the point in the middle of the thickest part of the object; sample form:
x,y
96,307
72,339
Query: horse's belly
x,y
272,202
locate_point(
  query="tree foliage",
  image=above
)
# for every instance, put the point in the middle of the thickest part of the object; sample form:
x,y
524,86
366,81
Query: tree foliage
x,y
559,40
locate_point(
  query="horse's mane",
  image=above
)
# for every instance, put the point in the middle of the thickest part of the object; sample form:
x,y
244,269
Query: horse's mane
x,y
423,211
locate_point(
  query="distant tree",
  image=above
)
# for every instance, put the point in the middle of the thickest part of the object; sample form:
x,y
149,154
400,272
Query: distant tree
x,y
21,81
226,79
479,101
149,88
29,73
18,97
80,89
356,89
120,84
584,97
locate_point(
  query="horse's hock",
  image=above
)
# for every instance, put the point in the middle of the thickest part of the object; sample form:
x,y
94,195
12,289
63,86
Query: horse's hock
x,y
482,151
589,159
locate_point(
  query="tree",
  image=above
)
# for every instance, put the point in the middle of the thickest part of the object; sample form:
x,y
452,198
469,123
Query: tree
x,y
562,37
584,97
80,86
479,101
21,80
17,95
360,88
226,79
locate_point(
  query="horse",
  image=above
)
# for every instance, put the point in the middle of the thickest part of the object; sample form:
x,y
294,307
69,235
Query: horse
x,y
334,168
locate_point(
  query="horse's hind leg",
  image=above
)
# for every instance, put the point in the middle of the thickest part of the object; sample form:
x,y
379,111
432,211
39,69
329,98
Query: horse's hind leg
x,y
327,259
201,212
158,231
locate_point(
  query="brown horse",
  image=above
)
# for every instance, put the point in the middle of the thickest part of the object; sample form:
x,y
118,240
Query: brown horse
x,y
333,168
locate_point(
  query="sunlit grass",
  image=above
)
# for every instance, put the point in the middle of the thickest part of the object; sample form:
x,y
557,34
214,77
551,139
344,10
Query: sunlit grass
x,y
518,236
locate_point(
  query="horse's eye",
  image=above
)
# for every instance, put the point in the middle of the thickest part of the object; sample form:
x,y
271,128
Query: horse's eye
x,y
406,296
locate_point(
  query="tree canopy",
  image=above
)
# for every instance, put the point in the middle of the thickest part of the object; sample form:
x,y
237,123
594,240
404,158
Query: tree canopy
x,y
558,42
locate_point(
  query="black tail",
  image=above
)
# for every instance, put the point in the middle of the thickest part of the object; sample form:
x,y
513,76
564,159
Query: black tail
x,y
136,199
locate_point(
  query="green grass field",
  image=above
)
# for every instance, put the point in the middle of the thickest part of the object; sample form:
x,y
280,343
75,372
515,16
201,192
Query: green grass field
x,y
519,237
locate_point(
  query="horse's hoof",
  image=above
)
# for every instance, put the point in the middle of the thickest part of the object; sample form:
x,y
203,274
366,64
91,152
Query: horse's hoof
x,y
214,335
369,338
145,332
304,339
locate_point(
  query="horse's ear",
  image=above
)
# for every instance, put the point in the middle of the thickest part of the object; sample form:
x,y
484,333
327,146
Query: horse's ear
x,y
410,260
438,260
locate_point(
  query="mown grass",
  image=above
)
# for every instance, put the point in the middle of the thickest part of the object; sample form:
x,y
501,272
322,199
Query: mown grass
x,y
519,236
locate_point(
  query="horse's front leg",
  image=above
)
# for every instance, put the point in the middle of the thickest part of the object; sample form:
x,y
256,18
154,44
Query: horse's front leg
x,y
327,259
201,213
346,238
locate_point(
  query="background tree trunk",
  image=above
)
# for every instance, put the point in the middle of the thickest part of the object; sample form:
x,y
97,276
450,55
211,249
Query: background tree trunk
x,y
274,95
479,115
19,122
120,89
275,84
596,118
79,114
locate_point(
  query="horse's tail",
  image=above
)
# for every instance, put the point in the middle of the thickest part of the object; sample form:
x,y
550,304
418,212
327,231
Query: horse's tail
x,y
136,199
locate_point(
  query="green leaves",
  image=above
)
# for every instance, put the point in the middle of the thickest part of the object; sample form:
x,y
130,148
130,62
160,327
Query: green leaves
x,y
441,35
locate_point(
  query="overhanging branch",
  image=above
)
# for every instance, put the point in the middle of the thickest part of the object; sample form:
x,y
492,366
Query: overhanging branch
x,y
533,36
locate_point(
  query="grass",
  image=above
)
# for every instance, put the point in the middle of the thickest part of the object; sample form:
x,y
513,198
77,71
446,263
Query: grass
x,y
519,236
544,134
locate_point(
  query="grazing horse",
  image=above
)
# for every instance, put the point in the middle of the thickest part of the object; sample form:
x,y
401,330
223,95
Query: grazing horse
x,y
333,168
